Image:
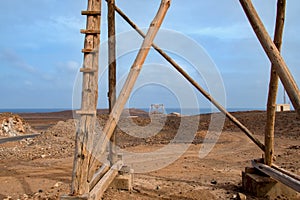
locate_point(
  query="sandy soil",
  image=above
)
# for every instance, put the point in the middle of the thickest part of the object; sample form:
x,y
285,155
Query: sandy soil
x,y
41,167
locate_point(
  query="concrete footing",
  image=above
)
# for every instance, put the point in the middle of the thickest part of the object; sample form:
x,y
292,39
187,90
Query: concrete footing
x,y
260,185
124,180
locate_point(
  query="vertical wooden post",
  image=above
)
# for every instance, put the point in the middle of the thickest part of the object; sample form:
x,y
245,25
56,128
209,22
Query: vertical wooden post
x,y
112,72
130,81
86,127
273,86
272,52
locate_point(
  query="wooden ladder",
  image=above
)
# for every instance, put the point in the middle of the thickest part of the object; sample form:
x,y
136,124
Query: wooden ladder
x,y
88,112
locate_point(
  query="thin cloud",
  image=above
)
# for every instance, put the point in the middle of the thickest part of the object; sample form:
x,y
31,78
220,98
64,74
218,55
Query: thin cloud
x,y
69,67
235,31
16,61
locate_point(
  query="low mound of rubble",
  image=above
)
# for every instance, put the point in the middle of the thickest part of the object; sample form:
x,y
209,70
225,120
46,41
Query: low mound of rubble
x,y
13,125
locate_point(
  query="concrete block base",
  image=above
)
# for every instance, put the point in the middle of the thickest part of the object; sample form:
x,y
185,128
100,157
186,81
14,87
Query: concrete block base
x,y
260,185
124,180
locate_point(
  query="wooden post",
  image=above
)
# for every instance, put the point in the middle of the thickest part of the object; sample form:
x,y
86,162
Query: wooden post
x,y
112,72
86,127
271,50
130,81
194,83
273,86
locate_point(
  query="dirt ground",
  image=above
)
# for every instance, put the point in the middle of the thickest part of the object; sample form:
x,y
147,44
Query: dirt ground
x,y
41,167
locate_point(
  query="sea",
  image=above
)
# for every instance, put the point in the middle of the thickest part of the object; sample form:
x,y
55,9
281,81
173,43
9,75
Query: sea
x,y
183,111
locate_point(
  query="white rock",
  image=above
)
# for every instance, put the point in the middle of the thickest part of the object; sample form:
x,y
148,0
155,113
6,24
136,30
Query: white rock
x,y
58,184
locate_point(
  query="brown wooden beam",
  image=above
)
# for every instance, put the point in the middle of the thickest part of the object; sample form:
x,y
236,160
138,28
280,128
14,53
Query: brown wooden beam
x,y
112,72
273,86
90,12
84,31
98,175
272,52
99,189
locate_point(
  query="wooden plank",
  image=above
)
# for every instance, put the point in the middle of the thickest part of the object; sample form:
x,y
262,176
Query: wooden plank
x,y
195,84
273,87
90,12
99,189
89,51
130,81
86,112
67,197
277,175
84,31
272,52
88,70
112,73
86,126
98,175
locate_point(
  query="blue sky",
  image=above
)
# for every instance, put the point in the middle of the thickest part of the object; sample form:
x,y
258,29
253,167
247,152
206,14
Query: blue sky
x,y
40,48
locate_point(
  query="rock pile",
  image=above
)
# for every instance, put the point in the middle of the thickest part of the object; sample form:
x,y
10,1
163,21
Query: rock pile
x,y
13,125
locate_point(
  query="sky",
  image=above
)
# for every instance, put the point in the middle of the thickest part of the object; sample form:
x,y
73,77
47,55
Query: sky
x,y
40,52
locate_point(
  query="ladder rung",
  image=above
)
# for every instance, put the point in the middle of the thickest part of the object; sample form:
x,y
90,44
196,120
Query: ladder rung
x,y
88,12
85,112
89,50
83,31
87,70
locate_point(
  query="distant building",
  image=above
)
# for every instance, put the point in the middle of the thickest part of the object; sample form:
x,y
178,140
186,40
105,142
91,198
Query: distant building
x,y
283,107
157,109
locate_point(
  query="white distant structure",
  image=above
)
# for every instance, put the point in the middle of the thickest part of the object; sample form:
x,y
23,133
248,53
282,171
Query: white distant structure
x,y
175,114
157,109
283,107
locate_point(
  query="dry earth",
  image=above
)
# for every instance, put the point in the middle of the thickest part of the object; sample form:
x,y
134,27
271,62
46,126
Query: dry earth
x,y
41,167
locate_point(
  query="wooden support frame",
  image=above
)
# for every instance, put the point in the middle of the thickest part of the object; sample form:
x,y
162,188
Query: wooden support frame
x,y
194,83
273,53
273,86
86,184
129,84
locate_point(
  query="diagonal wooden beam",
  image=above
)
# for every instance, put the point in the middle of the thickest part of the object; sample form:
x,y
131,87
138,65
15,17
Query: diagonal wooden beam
x,y
98,175
97,192
129,84
273,53
194,83
273,86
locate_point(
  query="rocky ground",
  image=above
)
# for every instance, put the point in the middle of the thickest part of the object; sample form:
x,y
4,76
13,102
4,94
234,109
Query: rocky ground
x,y
41,167
13,125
